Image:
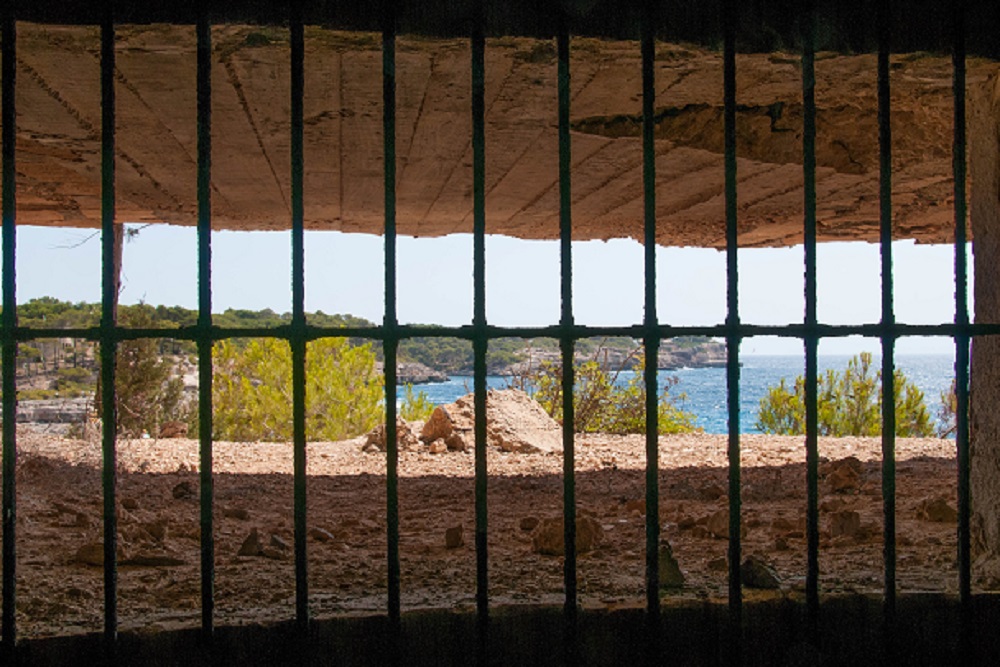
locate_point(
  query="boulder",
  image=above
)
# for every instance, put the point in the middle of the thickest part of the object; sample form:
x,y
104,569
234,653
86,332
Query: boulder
x,y
757,572
549,537
937,510
514,423
669,571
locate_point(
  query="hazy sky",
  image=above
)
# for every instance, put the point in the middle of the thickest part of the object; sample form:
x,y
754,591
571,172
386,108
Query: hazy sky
x,y
344,274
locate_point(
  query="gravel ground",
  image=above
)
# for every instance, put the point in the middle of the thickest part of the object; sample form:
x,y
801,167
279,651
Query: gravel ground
x,y
59,525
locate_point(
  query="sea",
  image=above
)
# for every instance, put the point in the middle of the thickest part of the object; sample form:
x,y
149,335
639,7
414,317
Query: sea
x,y
702,391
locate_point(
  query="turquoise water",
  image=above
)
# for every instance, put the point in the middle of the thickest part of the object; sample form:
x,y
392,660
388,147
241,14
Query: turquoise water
x,y
705,388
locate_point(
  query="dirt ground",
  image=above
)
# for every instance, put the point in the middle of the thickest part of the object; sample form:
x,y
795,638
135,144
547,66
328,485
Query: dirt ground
x,y
59,582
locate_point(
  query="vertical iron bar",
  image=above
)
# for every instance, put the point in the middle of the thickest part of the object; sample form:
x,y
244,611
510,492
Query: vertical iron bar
x,y
567,341
207,495
480,341
888,327
811,341
298,339
390,324
9,324
733,335
961,321
109,340
652,336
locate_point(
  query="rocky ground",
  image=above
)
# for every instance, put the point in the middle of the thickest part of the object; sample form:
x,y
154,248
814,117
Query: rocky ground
x,y
59,525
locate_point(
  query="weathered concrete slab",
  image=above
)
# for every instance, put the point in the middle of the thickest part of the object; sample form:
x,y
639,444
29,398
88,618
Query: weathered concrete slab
x,y
59,136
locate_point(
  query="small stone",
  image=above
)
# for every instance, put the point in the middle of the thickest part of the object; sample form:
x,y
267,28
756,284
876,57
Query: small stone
x,y
528,524
718,565
549,536
438,426
454,537
274,553
252,546
686,522
718,524
183,490
937,510
782,524
90,554
759,573
236,513
437,447
278,543
321,535
669,571
156,529
130,504
780,543
845,523
638,505
455,443
845,477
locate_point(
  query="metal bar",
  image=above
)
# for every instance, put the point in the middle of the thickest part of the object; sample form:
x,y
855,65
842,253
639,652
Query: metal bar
x,y
391,340
810,340
204,335
651,339
959,171
566,342
733,335
467,332
9,324
109,344
480,341
888,320
298,341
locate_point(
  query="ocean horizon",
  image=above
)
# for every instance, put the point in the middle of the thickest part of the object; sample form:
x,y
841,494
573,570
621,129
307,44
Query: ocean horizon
x,y
702,391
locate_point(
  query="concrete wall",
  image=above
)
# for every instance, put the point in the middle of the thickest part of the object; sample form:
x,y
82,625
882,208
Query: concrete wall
x,y
984,145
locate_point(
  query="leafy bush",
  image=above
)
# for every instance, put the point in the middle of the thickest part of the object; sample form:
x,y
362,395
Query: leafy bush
x,y
415,406
603,401
252,390
148,387
848,403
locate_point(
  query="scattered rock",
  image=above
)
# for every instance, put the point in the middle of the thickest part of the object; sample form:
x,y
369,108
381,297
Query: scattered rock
x,y
937,510
844,476
528,524
780,543
183,491
130,503
236,513
92,553
549,536
711,492
845,523
405,437
455,443
669,571
321,535
718,565
782,524
278,543
759,573
454,537
156,529
636,506
686,522
252,545
153,560
718,524
437,447
439,425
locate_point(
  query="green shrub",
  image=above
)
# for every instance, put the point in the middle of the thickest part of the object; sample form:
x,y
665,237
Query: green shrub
x,y
415,406
848,403
603,402
252,390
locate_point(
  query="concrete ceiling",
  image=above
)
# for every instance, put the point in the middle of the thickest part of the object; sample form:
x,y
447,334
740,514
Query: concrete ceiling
x,y
58,150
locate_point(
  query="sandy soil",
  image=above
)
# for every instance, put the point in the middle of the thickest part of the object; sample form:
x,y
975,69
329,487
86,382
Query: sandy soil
x,y
59,525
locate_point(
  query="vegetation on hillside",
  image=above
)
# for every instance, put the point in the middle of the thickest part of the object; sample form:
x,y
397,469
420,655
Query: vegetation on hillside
x,y
848,403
